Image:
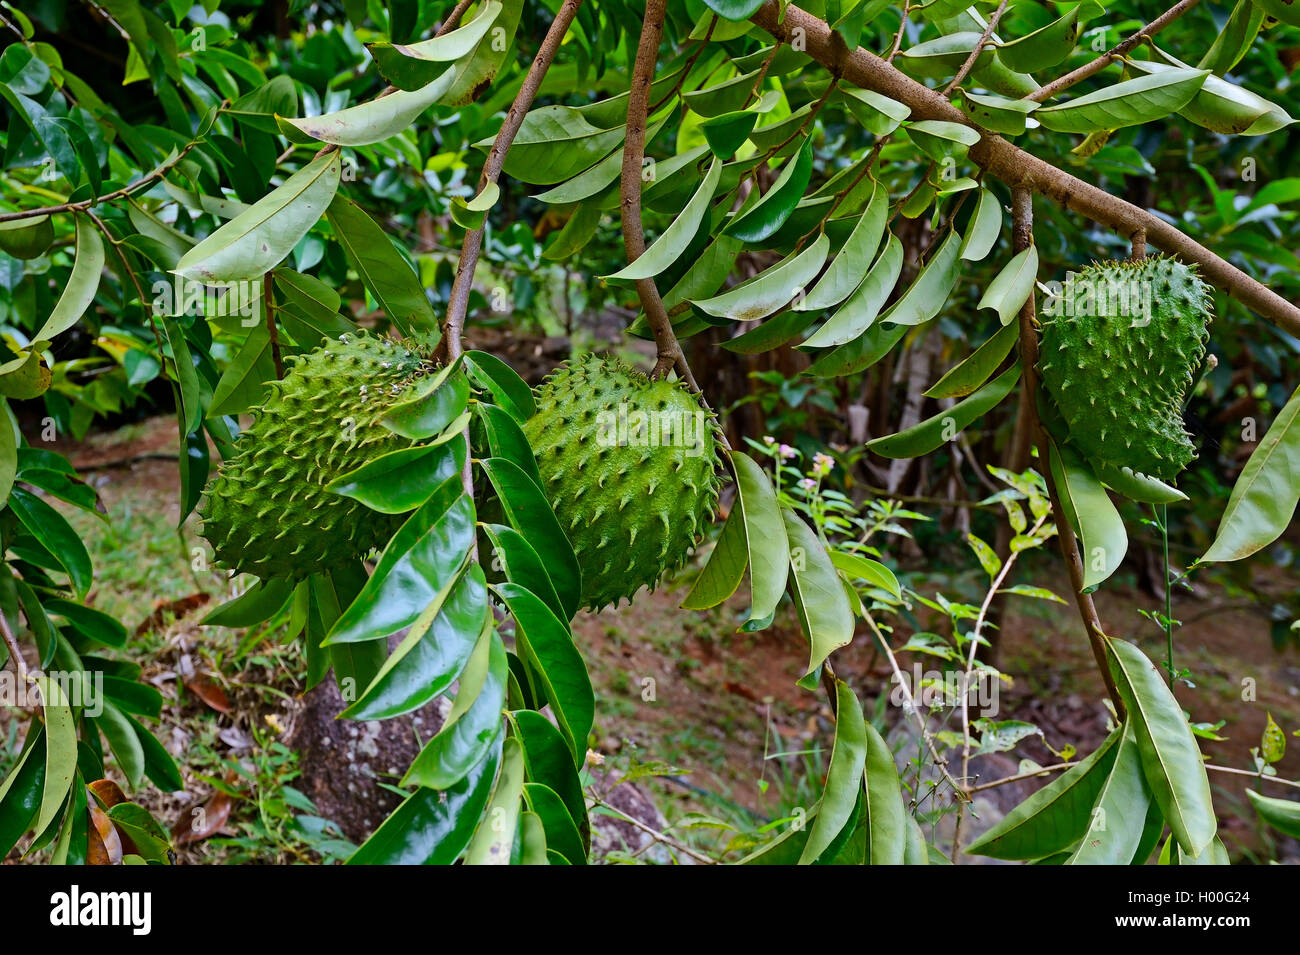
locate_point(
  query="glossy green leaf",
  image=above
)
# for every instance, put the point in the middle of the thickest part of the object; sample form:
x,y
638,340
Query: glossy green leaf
x,y
1011,287
765,538
1000,114
673,241
844,778
530,514
562,836
508,390
860,353
123,741
943,141
555,143
258,239
734,9
1102,538
377,119
434,404
412,66
1219,106
243,383
57,536
1235,39
729,96
1171,760
763,218
532,836
1264,498
1119,816
494,840
932,433
771,289
824,611
432,827
984,228
419,560
928,294
727,133
857,567
888,824
257,604
976,368
400,481
857,314
432,654
1137,487
545,642
159,766
725,569
519,561
549,761
79,291
90,623
879,114
60,750
382,269
850,264
1128,103
1043,49
1054,817
1282,814
21,791
943,56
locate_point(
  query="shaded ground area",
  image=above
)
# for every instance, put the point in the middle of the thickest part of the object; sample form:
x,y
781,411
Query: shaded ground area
x,y
712,716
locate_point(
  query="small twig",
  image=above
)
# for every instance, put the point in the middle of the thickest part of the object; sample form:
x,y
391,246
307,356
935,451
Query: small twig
x,y
656,834
453,18
638,104
1139,241
15,651
979,48
1054,768
86,204
902,29
1043,94
268,306
1249,772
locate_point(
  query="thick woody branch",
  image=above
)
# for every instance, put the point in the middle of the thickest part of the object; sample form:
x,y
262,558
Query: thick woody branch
x,y
472,246
638,106
1023,227
1015,166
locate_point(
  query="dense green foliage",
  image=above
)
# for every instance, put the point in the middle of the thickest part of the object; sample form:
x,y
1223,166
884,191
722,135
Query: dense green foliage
x,y
227,186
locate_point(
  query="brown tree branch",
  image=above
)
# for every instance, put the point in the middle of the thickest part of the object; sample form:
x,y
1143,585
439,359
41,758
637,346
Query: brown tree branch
x,y
1043,94
458,304
125,191
638,106
268,308
979,48
1016,167
1023,218
15,650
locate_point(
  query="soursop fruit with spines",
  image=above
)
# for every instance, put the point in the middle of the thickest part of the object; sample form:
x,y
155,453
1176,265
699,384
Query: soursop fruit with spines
x,y
1119,351
268,511
630,466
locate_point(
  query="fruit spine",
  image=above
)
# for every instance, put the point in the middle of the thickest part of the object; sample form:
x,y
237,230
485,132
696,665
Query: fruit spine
x,y
1120,347
630,466
268,511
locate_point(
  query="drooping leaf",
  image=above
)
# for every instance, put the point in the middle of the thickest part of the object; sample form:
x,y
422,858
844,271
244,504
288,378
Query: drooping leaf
x,y
673,241
824,611
856,315
1264,498
1102,538
1171,760
79,292
381,267
844,778
1119,816
1128,103
933,432
1054,817
761,220
376,119
258,239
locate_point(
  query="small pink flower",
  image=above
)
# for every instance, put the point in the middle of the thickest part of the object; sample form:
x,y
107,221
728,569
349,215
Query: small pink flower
x,y
823,464
786,452
808,484
769,440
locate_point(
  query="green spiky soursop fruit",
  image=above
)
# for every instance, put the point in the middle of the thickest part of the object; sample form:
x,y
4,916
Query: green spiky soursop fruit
x,y
630,466
1120,347
268,511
